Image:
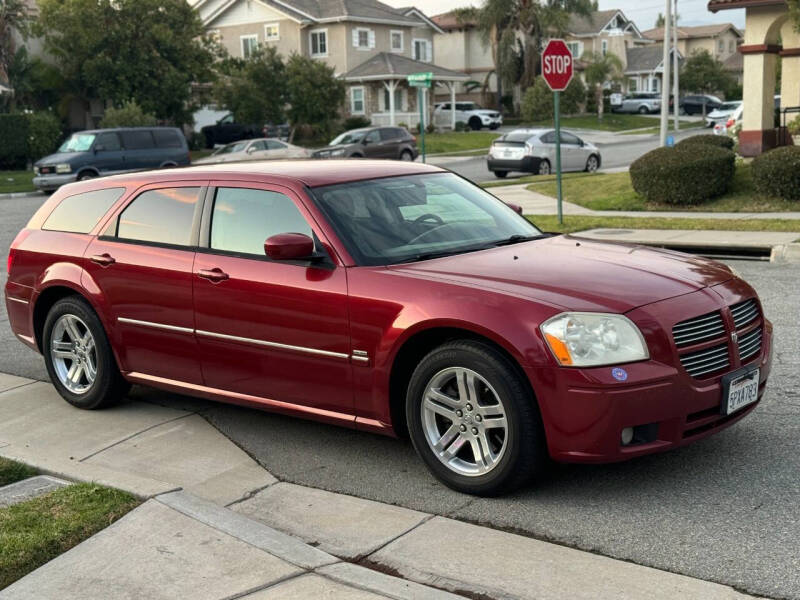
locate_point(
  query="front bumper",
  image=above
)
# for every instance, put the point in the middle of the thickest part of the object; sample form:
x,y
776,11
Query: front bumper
x,y
53,182
526,164
585,410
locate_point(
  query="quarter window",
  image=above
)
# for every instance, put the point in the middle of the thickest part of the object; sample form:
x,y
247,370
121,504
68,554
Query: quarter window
x,y
81,212
161,216
243,219
319,42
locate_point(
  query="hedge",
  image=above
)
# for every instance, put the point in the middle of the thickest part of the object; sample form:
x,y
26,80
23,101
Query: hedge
x,y
721,141
44,134
14,147
777,173
685,175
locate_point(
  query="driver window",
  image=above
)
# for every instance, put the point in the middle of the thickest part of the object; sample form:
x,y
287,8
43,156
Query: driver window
x,y
257,146
372,136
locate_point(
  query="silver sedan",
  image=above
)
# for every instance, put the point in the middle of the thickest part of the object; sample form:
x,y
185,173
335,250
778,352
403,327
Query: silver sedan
x,y
534,151
257,149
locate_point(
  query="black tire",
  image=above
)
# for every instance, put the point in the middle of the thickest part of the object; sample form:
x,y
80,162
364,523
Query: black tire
x,y
643,110
544,168
209,141
590,166
86,175
475,124
525,454
500,174
407,155
108,385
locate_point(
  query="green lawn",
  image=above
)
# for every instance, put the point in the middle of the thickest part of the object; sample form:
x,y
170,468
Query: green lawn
x,y
35,532
534,179
581,223
657,129
197,154
610,122
456,141
16,181
613,191
11,471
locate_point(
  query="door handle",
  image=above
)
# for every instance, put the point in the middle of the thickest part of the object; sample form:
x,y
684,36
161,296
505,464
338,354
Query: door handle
x,y
104,260
214,275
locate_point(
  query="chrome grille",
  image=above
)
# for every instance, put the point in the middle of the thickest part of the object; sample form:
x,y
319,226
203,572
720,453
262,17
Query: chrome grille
x,y
750,344
706,361
702,328
744,313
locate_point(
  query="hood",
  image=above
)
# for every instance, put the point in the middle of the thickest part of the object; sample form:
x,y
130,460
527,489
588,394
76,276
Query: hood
x,y
58,158
577,274
484,111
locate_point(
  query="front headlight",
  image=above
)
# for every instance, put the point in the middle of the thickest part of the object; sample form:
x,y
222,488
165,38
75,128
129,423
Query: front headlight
x,y
582,339
63,168
35,170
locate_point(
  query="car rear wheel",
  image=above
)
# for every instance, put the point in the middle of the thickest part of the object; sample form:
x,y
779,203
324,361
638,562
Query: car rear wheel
x,y
473,420
406,155
544,167
78,356
643,110
592,164
86,175
500,174
475,123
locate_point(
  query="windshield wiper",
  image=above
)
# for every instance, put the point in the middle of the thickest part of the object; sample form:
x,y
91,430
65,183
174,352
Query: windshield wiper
x,y
516,239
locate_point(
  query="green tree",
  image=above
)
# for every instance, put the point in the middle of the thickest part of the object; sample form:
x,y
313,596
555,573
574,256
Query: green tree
x,y
314,94
574,97
537,103
129,114
150,51
253,89
14,18
37,85
599,71
701,73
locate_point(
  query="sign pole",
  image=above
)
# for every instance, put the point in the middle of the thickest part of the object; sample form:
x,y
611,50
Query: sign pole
x,y
556,102
420,102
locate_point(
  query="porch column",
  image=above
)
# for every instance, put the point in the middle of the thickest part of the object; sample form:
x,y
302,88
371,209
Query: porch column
x,y
453,105
391,86
790,69
758,120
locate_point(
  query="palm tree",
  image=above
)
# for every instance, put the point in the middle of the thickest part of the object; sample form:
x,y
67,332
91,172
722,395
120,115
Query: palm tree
x,y
13,18
600,70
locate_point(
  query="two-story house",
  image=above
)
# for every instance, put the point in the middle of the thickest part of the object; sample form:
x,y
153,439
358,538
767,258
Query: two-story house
x,y
370,45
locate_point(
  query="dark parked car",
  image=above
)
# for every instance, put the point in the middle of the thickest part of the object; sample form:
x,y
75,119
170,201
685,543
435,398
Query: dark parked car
x,y
371,142
280,131
227,130
700,104
95,153
388,297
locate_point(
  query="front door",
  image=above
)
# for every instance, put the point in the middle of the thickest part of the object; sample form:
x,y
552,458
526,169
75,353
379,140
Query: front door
x,y
272,329
142,264
109,158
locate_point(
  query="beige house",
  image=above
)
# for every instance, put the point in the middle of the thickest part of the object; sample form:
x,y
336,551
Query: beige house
x,y
769,33
344,34
721,41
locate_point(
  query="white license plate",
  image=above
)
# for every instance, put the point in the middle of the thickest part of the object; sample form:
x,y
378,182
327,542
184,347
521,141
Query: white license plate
x,y
742,391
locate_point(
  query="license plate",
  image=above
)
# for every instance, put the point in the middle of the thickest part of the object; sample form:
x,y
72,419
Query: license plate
x,y
508,154
739,389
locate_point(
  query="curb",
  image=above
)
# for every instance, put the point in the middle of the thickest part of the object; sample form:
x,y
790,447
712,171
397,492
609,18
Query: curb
x,y
786,253
12,195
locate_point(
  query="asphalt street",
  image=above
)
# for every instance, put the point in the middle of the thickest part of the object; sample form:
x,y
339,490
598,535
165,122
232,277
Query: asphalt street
x,y
725,509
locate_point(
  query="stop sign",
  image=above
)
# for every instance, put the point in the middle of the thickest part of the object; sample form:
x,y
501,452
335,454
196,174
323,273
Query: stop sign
x,y
557,65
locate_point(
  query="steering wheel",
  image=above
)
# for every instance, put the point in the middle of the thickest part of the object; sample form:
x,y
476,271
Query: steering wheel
x,y
426,233
427,217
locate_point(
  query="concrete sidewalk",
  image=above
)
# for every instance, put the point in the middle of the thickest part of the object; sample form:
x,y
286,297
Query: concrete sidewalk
x,y
219,526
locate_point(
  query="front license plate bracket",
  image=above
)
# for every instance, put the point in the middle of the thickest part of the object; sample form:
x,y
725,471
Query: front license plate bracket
x,y
739,389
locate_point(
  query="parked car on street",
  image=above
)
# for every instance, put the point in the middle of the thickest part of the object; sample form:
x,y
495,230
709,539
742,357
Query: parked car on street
x,y
534,151
639,102
99,152
227,130
721,114
371,142
474,115
258,149
389,297
699,104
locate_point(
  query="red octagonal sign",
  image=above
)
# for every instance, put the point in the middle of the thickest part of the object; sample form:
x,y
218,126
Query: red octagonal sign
x,y
557,65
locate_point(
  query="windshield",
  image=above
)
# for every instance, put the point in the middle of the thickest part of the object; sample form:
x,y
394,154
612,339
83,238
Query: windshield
x,y
404,219
235,147
78,142
349,137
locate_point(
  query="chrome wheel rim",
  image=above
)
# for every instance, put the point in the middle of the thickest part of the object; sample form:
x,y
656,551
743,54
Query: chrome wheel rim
x,y
405,156
464,421
592,164
74,354
544,168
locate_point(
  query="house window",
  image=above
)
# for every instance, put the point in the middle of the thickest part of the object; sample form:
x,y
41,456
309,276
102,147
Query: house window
x,y
731,46
272,32
249,45
363,39
575,48
357,100
318,42
423,51
722,46
604,47
396,38
633,84
654,84
398,100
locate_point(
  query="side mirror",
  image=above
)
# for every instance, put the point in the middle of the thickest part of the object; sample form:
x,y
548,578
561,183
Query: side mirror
x,y
99,148
365,142
251,149
515,207
289,246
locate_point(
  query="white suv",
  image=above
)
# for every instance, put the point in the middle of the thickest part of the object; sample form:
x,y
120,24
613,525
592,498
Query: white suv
x,y
470,113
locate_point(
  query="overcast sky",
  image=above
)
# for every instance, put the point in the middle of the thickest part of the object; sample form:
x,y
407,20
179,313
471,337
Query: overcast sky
x,y
642,12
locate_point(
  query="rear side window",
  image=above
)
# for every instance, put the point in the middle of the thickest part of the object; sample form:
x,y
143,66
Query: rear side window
x,y
243,219
81,212
137,139
167,138
161,216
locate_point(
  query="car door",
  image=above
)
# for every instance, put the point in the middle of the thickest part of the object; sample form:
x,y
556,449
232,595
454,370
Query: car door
x,y
139,146
269,329
256,150
572,155
372,144
142,268
109,158
390,142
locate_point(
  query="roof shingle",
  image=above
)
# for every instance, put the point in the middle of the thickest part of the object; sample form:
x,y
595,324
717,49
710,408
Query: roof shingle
x,y
388,64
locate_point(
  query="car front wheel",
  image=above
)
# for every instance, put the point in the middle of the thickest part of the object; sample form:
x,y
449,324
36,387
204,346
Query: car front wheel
x,y
78,356
473,420
592,164
500,174
544,167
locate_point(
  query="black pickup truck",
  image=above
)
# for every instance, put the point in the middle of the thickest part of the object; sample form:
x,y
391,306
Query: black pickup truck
x,y
226,130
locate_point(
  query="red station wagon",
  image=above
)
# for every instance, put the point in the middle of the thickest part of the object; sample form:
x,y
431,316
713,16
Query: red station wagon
x,y
390,297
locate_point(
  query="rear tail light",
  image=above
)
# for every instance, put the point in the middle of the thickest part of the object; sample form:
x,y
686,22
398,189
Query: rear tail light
x,y
729,123
10,261
13,249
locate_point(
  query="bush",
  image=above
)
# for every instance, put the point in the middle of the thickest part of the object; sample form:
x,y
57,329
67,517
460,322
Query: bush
x,y
685,175
723,141
461,126
14,145
129,114
573,99
44,134
356,123
777,173
591,102
537,103
793,126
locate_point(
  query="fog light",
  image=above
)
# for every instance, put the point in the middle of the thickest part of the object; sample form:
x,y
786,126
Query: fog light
x,y
627,436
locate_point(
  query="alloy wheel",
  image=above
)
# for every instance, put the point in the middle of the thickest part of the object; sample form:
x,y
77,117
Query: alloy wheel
x,y
544,168
464,421
74,354
591,164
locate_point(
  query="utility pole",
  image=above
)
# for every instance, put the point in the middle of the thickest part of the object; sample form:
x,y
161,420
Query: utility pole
x,y
665,64
675,86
